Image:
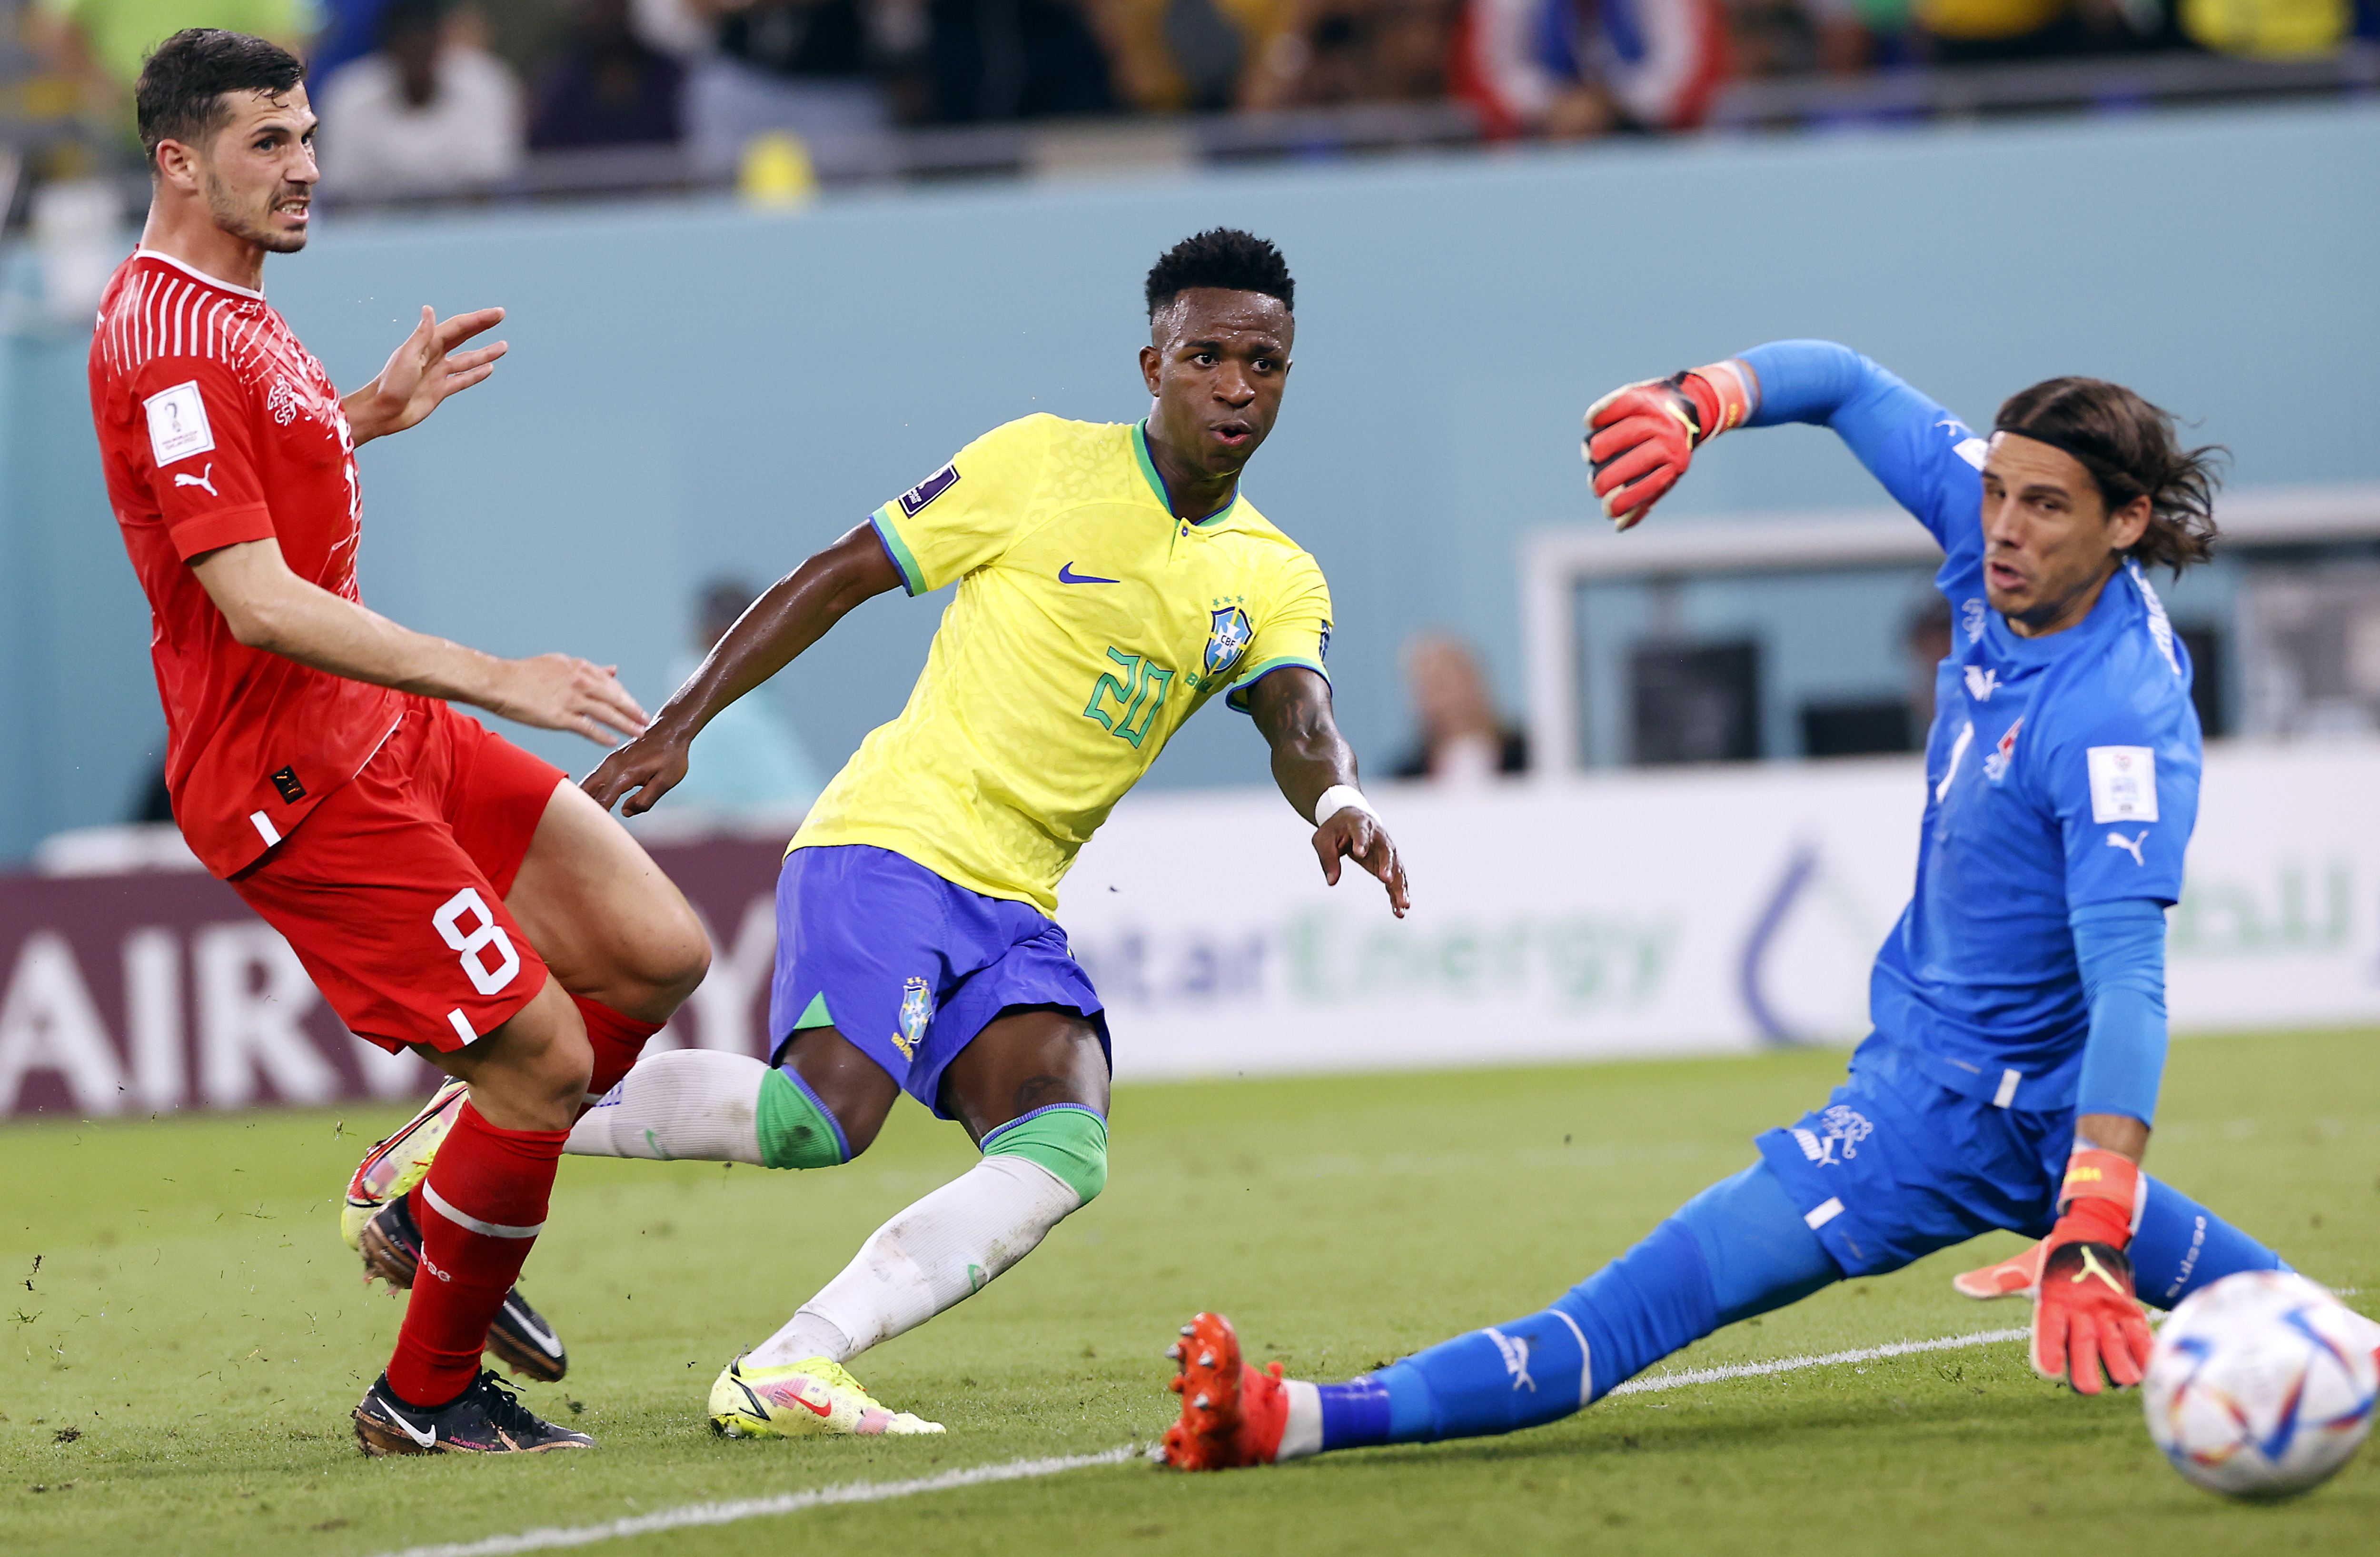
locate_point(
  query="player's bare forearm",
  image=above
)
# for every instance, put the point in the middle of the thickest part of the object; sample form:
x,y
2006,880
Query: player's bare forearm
x,y
269,607
2119,1133
1291,708
422,372
794,613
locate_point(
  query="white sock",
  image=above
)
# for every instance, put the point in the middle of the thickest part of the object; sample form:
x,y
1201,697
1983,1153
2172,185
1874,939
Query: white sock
x,y
684,1104
1302,1435
938,1252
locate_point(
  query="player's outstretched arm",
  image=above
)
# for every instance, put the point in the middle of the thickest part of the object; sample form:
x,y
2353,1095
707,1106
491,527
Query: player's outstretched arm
x,y
423,371
794,613
1641,437
2086,1314
1312,762
271,608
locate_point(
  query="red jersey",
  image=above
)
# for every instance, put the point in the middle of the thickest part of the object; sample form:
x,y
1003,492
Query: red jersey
x,y
216,427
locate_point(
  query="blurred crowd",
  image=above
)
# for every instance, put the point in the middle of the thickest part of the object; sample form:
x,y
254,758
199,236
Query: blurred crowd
x,y
432,95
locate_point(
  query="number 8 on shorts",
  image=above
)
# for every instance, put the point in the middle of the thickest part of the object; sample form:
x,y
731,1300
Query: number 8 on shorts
x,y
469,944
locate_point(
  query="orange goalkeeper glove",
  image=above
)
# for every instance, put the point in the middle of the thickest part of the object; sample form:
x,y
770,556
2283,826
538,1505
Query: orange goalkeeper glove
x,y
1641,437
2086,1315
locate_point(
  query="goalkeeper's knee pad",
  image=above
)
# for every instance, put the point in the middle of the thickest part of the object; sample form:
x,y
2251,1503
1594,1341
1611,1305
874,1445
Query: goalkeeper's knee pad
x,y
1067,1139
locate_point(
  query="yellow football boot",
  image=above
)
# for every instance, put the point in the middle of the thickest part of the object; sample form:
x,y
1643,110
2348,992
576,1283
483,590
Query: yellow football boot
x,y
394,1166
808,1399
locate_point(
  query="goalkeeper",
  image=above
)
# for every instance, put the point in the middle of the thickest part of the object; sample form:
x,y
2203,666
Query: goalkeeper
x,y
2012,1076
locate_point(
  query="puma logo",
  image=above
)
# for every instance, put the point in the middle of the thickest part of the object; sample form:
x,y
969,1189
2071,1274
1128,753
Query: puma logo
x,y
1515,1350
2091,1267
184,478
2133,846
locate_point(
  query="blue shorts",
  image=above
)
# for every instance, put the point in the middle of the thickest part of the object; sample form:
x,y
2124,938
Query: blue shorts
x,y
1897,1165
907,967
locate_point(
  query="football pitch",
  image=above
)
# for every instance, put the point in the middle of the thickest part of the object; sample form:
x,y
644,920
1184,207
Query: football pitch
x,y
185,1336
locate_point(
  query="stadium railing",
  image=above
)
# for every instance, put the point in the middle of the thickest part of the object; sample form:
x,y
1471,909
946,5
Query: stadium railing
x,y
1048,148
1087,146
2105,84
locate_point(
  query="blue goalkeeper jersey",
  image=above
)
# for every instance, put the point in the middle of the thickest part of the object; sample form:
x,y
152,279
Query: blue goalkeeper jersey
x,y
2062,772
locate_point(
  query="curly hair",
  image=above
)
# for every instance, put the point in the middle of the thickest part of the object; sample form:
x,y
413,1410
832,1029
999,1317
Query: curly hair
x,y
1225,257
183,84
2129,448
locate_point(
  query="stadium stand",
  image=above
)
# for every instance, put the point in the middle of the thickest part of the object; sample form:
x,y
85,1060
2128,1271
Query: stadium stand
x,y
623,97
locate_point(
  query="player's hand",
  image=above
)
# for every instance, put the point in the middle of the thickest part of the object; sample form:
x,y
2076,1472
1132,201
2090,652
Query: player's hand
x,y
2086,1318
562,692
1354,833
424,371
2084,1313
640,772
1641,437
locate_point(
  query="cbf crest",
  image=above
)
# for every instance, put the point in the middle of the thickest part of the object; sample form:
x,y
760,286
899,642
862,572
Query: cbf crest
x,y
1227,639
916,1011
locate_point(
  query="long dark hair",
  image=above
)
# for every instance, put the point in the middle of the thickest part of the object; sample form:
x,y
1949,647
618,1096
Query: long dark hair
x,y
2130,450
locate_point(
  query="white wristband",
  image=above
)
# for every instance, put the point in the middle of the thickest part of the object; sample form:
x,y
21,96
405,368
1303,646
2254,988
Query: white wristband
x,y
1337,799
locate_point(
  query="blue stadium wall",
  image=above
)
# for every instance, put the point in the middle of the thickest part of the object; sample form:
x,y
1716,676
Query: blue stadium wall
x,y
696,388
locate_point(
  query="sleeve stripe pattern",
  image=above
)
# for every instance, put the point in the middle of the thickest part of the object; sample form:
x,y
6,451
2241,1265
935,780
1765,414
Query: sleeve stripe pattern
x,y
913,577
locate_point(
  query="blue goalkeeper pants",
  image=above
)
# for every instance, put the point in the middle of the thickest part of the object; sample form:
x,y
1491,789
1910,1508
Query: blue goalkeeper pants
x,y
1881,1177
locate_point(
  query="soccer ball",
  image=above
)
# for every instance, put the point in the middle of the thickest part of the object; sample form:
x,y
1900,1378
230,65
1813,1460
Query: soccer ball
x,y
2262,1385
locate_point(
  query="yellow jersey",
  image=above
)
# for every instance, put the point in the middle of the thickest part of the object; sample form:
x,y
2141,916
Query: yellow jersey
x,y
1090,623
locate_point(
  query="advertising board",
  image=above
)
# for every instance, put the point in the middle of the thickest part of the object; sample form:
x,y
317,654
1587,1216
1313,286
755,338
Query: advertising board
x,y
1651,912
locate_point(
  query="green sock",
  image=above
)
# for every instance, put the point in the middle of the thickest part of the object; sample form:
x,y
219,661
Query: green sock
x,y
1066,1138
795,1129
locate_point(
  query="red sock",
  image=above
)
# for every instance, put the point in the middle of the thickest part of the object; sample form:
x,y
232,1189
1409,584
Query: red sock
x,y
478,1211
616,1039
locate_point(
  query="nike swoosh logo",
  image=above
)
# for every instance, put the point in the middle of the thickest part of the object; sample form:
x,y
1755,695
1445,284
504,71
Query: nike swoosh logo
x,y
795,1398
547,1341
1066,575
427,1440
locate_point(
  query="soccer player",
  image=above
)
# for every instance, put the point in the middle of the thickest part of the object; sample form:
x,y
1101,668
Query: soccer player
x,y
2019,1005
1111,579
448,892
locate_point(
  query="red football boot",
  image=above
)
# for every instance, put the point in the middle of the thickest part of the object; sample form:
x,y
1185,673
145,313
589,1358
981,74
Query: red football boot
x,y
1232,1415
2019,1275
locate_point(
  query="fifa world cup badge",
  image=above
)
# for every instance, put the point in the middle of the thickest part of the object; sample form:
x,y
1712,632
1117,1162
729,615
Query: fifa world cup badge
x,y
916,1010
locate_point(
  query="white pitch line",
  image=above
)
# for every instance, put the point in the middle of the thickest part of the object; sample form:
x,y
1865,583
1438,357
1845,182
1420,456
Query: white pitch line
x,y
1653,1383
554,1538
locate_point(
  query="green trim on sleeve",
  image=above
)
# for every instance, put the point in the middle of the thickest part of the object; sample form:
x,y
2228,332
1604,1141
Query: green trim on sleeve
x,y
1237,698
814,1015
913,577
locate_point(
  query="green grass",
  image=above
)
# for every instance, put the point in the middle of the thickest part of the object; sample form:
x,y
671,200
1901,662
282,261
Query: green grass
x,y
177,1374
